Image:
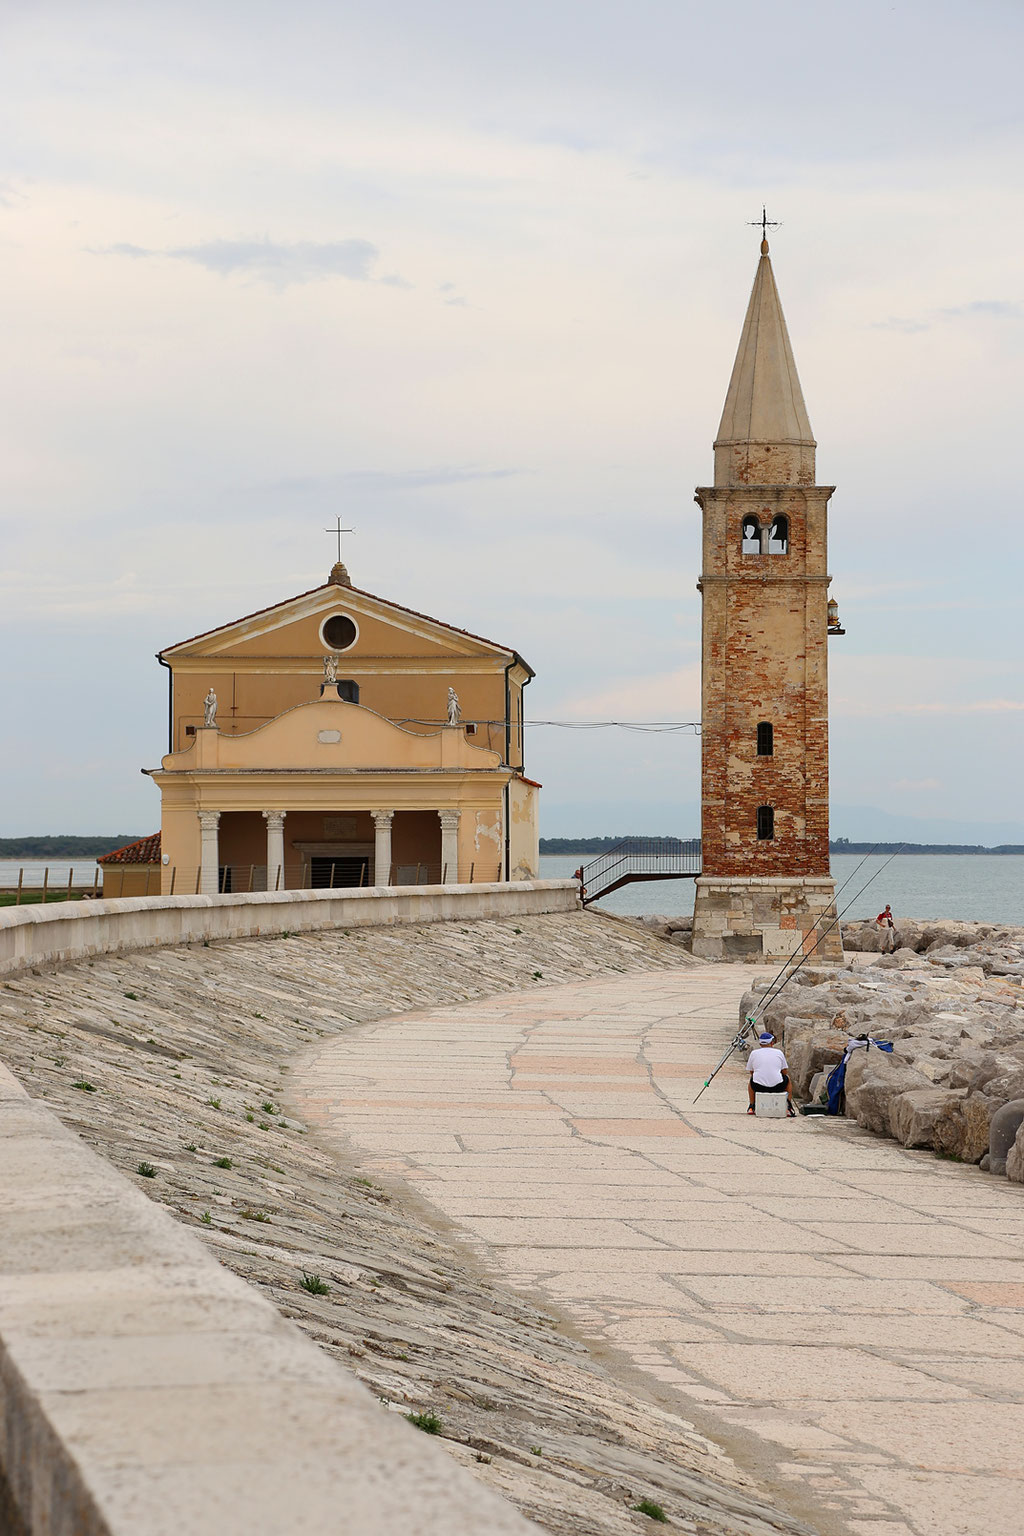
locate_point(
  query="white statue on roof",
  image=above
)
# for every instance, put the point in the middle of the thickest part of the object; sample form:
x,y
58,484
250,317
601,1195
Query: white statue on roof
x,y
210,708
454,711
331,668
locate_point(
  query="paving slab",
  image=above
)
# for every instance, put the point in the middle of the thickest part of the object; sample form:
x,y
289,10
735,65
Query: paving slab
x,y
844,1316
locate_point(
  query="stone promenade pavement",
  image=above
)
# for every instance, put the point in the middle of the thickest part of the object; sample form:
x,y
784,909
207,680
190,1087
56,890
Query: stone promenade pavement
x,y
845,1317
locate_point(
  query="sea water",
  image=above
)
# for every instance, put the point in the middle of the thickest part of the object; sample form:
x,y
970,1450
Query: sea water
x,y
986,888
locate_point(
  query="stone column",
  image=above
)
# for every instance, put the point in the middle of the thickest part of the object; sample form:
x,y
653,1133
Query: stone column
x,y
209,858
382,846
449,846
275,849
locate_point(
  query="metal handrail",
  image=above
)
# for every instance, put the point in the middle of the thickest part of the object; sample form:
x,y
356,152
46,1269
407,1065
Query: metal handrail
x,y
640,858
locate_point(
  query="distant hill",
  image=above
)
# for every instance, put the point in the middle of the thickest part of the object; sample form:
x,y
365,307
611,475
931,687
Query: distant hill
x,y
596,845
63,846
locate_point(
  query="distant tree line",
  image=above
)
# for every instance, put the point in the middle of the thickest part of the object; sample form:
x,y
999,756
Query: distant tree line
x,y
63,846
603,844
844,845
595,845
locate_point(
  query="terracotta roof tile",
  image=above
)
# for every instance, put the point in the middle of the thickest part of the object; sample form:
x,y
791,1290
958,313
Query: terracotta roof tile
x,y
145,851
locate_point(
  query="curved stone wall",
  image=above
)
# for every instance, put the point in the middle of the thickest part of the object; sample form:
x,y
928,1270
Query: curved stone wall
x,y
66,931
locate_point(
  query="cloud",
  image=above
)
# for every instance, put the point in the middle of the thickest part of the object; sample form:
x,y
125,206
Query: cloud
x,y
270,261
899,323
992,309
978,707
385,482
996,309
659,696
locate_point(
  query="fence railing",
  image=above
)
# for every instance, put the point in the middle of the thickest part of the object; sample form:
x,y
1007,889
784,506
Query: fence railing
x,y
34,885
640,858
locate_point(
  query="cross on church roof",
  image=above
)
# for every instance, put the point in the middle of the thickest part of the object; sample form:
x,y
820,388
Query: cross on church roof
x,y
338,531
766,224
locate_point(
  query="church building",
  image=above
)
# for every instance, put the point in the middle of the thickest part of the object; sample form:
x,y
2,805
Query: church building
x,y
766,879
340,739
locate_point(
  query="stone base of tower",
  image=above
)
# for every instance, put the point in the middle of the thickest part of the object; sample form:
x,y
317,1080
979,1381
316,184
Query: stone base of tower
x,y
766,918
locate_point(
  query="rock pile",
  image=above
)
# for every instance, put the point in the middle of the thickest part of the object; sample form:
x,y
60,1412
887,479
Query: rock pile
x,y
924,937
951,999
678,930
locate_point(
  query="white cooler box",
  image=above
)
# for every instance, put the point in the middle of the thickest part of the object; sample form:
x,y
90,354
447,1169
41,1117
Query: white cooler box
x,y
770,1106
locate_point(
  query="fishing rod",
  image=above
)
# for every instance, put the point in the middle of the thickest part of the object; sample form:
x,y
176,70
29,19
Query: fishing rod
x,y
739,1039
760,1007
769,995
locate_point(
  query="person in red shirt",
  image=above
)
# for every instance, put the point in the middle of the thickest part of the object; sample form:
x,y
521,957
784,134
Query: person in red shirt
x,y
887,923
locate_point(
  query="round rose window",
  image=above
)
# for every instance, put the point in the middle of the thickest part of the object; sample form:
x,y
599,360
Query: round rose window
x,y
338,632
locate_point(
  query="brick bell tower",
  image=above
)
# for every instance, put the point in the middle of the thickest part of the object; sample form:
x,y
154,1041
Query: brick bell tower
x,y
764,771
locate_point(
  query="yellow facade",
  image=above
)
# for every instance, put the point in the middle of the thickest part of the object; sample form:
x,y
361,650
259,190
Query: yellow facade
x,y
295,784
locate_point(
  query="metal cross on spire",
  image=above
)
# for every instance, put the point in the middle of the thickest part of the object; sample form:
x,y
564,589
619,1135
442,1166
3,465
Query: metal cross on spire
x,y
338,531
765,222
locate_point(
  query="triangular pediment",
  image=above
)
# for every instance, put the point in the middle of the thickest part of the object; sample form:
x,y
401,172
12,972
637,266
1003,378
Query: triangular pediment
x,y
294,628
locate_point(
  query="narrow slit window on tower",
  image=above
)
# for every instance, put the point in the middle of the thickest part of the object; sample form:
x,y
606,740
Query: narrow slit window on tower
x,y
778,536
751,537
765,822
765,739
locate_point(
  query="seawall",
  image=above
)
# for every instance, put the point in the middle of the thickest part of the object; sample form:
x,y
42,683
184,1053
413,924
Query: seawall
x,y
68,931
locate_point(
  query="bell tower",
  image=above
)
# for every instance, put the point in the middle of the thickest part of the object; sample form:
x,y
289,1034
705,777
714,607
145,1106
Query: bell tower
x,y
764,585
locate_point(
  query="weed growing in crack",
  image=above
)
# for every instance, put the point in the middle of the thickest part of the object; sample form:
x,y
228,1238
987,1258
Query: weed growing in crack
x,y
146,1170
651,1510
223,1162
85,1087
316,1285
428,1422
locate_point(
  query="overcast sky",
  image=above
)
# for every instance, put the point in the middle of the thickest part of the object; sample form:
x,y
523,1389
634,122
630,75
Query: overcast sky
x,y
472,275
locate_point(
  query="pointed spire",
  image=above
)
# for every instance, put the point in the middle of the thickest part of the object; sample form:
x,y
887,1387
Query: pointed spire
x,y
765,404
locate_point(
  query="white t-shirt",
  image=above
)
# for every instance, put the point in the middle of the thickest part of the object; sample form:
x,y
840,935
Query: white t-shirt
x,y
766,1062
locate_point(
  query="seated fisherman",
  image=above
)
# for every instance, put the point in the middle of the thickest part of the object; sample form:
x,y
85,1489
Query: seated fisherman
x,y
769,1072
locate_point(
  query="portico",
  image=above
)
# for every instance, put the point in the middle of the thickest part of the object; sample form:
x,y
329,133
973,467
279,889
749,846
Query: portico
x,y
298,804
307,850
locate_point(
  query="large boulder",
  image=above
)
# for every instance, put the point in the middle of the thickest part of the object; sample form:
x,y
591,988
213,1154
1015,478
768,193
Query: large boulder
x,y
1005,1089
1015,1157
913,1115
873,1079
962,1128
1006,1122
809,1052
898,960
966,1064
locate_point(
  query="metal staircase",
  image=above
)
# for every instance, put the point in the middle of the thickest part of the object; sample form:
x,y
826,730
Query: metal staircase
x,y
640,858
